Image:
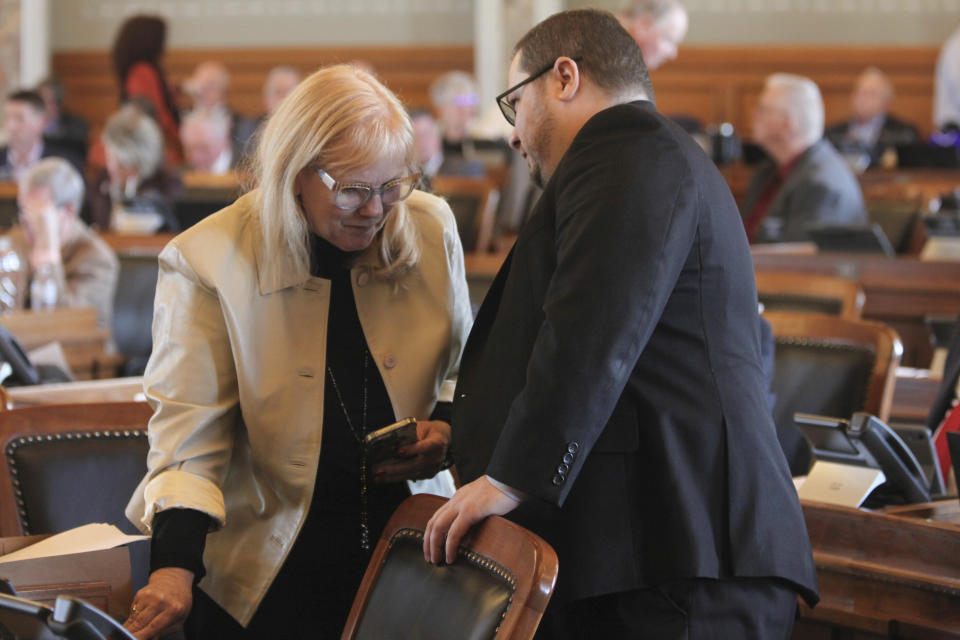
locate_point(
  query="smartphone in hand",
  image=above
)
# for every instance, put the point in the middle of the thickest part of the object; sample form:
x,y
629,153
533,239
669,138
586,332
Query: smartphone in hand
x,y
382,444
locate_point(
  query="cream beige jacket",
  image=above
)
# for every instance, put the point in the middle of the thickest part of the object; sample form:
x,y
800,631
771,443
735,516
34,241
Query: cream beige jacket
x,y
236,380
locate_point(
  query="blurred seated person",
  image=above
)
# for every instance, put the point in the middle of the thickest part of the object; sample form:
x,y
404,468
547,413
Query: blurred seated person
x,y
805,182
24,119
279,83
871,131
657,26
946,87
134,193
205,137
428,142
52,236
454,99
62,127
207,86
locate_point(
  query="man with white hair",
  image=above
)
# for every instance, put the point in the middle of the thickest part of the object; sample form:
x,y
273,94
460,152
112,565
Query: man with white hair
x,y
208,86
871,130
205,136
805,182
454,99
51,236
658,26
279,83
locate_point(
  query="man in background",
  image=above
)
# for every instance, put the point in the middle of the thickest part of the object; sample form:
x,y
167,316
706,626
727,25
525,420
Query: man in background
x,y
62,127
279,83
52,237
871,134
658,26
611,396
24,122
208,87
207,146
805,182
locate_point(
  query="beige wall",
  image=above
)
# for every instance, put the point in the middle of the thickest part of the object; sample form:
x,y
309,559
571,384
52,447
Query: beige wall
x,y
90,24
802,22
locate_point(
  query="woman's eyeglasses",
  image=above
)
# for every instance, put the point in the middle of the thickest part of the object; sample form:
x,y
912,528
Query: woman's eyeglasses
x,y
353,195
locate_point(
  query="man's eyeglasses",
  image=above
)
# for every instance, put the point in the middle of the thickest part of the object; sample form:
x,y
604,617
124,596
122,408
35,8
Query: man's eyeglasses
x,y
353,195
508,107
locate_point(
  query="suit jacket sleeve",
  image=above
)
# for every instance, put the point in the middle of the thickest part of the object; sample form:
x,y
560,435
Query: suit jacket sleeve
x,y
625,222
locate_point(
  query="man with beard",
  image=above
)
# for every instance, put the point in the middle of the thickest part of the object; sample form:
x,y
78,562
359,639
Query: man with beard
x,y
611,395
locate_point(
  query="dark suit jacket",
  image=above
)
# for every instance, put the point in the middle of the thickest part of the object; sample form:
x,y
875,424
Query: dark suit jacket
x,y
893,132
613,373
49,150
820,190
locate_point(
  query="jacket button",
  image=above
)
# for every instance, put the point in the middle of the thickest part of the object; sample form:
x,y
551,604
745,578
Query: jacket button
x,y
568,458
390,361
563,468
363,279
558,480
573,446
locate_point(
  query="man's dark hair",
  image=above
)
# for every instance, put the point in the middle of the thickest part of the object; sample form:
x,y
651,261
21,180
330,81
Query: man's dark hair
x,y
31,98
603,49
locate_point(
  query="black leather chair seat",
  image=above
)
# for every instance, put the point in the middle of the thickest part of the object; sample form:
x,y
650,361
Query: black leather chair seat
x,y
133,309
821,377
46,469
413,599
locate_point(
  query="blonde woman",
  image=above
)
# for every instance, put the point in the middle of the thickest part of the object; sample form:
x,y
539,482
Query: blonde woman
x,y
326,303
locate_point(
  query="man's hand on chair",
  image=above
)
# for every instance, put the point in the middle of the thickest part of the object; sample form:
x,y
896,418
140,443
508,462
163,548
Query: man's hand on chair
x,y
469,505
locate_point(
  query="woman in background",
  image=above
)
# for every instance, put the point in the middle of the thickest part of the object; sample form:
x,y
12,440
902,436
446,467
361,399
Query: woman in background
x,y
134,193
137,63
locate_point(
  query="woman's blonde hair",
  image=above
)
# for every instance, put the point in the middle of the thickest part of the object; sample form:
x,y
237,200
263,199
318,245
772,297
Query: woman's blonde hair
x,y
343,119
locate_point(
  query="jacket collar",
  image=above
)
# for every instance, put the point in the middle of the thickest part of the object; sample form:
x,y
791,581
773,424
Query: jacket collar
x,y
276,273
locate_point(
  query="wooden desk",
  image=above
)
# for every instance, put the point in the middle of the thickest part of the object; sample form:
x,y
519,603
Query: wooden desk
x,y
921,185
136,244
85,345
899,291
913,394
884,575
8,204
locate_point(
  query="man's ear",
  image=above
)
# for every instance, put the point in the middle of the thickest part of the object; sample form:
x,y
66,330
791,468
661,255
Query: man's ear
x,y
568,72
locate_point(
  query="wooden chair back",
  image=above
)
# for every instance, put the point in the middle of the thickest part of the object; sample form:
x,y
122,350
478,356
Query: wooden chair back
x,y
809,293
499,586
474,205
84,460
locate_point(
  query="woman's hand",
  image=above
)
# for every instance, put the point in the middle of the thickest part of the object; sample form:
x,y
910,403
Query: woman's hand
x,y
421,459
162,606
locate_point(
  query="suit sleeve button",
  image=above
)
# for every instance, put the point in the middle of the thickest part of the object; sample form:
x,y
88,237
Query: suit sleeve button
x,y
558,480
573,446
568,458
563,468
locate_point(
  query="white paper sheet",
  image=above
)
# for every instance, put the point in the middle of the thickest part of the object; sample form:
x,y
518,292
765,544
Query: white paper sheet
x,y
842,484
89,537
